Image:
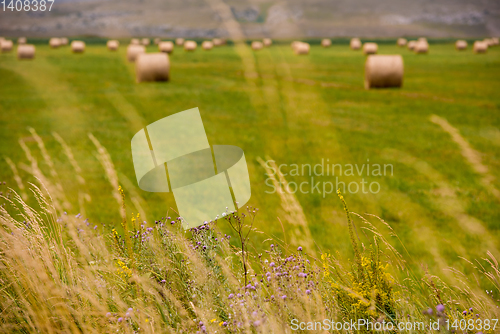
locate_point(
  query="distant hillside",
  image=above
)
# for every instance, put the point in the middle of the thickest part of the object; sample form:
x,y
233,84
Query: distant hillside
x,y
258,18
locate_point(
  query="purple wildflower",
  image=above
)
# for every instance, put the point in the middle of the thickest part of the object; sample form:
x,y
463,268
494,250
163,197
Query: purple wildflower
x,y
120,319
230,296
440,308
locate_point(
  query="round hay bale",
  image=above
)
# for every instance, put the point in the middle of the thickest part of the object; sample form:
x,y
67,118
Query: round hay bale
x,y
267,42
495,41
402,42
491,41
78,46
145,41
422,39
6,45
157,41
217,42
257,45
383,71
295,44
207,45
64,40
179,41
302,48
21,40
480,47
190,45
411,45
421,47
26,51
166,47
326,42
370,48
355,44
460,45
113,45
135,41
134,50
152,67
55,42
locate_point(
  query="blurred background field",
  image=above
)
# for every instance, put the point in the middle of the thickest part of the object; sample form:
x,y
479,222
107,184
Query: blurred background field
x,y
291,109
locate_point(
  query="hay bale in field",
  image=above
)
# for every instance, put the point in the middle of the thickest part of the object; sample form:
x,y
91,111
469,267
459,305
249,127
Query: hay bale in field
x,y
383,71
326,42
112,45
55,42
480,47
411,45
135,41
26,51
21,40
166,47
64,40
488,41
422,39
78,46
6,45
491,41
495,40
267,42
207,45
190,45
134,50
217,42
460,45
179,41
355,44
152,67
145,41
157,41
294,44
302,48
421,47
370,48
257,45
402,42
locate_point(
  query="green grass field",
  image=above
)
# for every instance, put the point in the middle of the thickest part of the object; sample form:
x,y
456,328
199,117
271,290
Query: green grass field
x,y
292,109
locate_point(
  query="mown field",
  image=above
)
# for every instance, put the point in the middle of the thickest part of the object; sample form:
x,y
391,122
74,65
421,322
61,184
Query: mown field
x,y
291,109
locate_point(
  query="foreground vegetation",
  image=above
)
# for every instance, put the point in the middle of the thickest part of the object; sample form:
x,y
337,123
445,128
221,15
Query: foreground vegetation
x,y
60,272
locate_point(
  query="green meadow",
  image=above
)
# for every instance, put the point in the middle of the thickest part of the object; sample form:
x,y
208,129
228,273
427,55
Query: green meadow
x,y
291,109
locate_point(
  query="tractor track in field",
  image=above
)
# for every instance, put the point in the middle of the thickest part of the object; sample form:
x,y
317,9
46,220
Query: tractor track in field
x,y
472,156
